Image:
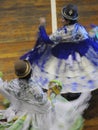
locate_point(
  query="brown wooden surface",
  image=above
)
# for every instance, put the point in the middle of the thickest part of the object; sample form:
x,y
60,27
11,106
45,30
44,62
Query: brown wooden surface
x,y
19,22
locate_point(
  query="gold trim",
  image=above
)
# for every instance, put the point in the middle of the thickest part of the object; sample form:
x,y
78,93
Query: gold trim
x,y
27,71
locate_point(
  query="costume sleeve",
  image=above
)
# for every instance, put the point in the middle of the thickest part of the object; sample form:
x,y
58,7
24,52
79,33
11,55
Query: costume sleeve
x,y
81,33
81,103
56,37
37,92
39,95
44,35
5,90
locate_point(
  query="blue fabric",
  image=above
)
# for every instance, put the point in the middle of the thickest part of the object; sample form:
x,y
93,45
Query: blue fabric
x,y
37,52
44,35
63,50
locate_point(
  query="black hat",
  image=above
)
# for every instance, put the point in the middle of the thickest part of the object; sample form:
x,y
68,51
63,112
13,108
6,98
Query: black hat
x,y
70,12
22,68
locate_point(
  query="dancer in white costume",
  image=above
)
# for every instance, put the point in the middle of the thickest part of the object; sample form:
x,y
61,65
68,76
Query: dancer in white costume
x,y
68,115
29,109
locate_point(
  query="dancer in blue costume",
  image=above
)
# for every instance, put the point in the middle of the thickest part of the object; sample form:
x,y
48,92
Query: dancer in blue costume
x,y
68,55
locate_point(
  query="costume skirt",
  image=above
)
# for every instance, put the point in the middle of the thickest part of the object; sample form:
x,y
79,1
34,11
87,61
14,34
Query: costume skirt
x,y
24,122
73,64
60,119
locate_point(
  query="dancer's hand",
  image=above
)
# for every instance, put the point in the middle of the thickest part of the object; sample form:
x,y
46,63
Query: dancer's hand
x,y
49,93
42,21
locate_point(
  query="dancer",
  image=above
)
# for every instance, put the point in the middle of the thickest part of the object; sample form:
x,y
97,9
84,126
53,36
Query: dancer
x,y
68,115
29,109
69,55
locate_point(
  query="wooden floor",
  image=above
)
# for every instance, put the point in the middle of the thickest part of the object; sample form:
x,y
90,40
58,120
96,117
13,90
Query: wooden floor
x,y
19,22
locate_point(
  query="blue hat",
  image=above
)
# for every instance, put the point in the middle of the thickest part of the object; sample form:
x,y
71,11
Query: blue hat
x,y
70,12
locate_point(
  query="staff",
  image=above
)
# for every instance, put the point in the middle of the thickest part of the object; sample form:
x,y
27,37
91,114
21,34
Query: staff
x,y
53,14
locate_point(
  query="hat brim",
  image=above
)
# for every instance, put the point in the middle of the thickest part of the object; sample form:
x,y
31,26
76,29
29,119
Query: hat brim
x,y
75,17
27,71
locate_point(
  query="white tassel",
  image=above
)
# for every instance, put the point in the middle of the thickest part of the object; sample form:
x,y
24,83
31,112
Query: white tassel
x,y
78,57
70,61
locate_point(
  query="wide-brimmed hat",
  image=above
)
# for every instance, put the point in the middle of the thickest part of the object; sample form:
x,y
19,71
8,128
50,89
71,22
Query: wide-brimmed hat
x,y
22,68
70,12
